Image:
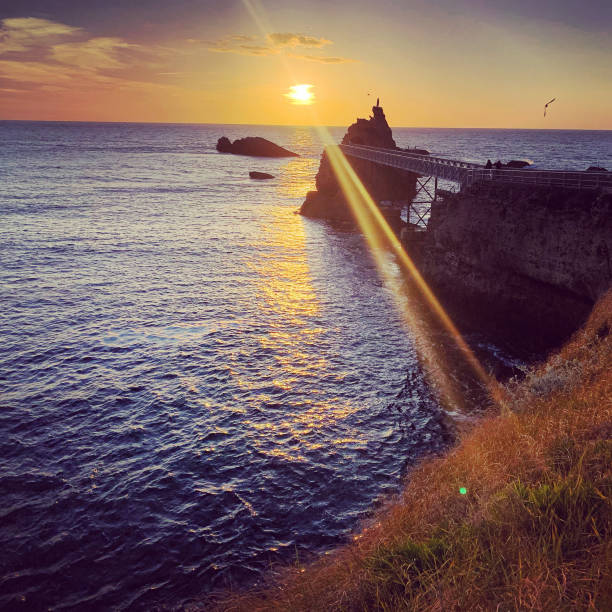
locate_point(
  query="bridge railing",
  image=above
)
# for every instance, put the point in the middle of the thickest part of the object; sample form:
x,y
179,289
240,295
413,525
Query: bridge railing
x,y
467,173
544,178
413,162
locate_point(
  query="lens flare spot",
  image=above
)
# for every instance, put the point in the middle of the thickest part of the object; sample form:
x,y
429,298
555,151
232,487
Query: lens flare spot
x,y
463,491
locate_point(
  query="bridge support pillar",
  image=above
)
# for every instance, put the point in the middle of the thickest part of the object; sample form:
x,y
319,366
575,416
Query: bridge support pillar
x,y
420,207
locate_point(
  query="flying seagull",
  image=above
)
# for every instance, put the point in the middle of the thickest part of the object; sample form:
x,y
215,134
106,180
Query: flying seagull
x,y
546,105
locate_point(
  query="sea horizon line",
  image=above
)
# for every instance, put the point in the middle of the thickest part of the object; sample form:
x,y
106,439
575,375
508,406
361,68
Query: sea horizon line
x,y
283,125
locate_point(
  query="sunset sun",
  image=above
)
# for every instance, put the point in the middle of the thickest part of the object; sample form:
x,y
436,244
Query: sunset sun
x,y
300,94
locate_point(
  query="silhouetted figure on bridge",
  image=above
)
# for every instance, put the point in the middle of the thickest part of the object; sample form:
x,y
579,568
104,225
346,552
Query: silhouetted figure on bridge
x,y
498,164
488,165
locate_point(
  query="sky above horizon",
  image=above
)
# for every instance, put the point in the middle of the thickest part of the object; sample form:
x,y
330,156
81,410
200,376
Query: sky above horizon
x,y
439,63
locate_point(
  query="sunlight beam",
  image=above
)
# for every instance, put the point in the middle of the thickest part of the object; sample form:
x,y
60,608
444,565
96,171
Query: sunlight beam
x,y
381,238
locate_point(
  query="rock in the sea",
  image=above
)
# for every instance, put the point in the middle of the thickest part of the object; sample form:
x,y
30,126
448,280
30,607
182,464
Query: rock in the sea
x,y
517,163
417,151
595,169
254,146
381,182
260,175
374,132
224,145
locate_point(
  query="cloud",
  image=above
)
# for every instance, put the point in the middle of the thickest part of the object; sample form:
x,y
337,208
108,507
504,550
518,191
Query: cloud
x,y
277,43
23,33
241,45
290,39
99,53
46,56
323,59
32,72
51,56
43,74
246,50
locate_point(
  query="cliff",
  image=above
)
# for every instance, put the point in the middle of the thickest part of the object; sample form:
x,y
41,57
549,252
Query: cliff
x,y
527,262
382,183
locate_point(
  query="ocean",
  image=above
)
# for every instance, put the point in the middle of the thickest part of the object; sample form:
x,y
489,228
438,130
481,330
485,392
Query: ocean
x,y
196,383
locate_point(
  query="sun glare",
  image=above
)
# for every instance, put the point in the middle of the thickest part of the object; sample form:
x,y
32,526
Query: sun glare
x,y
300,94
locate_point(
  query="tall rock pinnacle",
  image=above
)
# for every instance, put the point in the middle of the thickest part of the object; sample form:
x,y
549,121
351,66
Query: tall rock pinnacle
x,y
382,182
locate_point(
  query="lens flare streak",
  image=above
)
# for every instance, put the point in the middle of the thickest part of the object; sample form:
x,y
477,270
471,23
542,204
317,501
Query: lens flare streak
x,y
381,241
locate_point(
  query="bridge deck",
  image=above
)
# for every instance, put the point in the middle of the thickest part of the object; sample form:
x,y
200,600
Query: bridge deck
x,y
466,173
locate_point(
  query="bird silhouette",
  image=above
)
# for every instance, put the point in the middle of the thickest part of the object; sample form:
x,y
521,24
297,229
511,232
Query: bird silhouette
x,y
546,105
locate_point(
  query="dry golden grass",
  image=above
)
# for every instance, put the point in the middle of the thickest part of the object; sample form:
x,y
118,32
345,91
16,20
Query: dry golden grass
x,y
533,531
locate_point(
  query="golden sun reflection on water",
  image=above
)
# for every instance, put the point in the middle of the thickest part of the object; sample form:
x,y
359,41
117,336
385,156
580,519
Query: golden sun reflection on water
x,y
296,177
294,365
297,174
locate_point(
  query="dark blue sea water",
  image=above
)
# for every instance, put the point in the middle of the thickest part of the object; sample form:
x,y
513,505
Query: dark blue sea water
x,y
195,381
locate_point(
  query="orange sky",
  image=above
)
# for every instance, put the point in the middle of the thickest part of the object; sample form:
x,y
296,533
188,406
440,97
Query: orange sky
x,y
440,63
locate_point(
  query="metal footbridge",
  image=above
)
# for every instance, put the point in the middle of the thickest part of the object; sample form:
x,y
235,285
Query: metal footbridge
x,y
466,173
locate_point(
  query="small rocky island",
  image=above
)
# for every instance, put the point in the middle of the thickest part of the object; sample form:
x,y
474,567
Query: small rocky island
x,y
382,182
254,146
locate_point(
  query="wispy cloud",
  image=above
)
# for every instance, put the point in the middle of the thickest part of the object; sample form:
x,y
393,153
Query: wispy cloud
x,y
23,33
241,45
323,59
99,53
276,43
47,74
291,39
49,56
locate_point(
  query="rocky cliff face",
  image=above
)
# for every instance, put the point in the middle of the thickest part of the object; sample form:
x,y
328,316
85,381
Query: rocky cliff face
x,y
382,183
530,262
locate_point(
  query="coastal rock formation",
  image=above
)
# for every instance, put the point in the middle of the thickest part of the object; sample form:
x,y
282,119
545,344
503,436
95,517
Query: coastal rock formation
x,y
517,163
254,146
261,176
382,182
595,169
525,261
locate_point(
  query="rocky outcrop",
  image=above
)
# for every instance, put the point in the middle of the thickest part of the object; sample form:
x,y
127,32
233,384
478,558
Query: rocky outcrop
x,y
254,146
595,169
382,183
260,176
517,163
524,261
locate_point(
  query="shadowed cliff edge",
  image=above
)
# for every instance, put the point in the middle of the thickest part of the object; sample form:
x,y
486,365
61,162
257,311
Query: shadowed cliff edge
x,y
524,262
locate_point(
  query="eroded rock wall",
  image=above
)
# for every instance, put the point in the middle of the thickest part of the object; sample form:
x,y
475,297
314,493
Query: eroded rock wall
x,y
528,261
